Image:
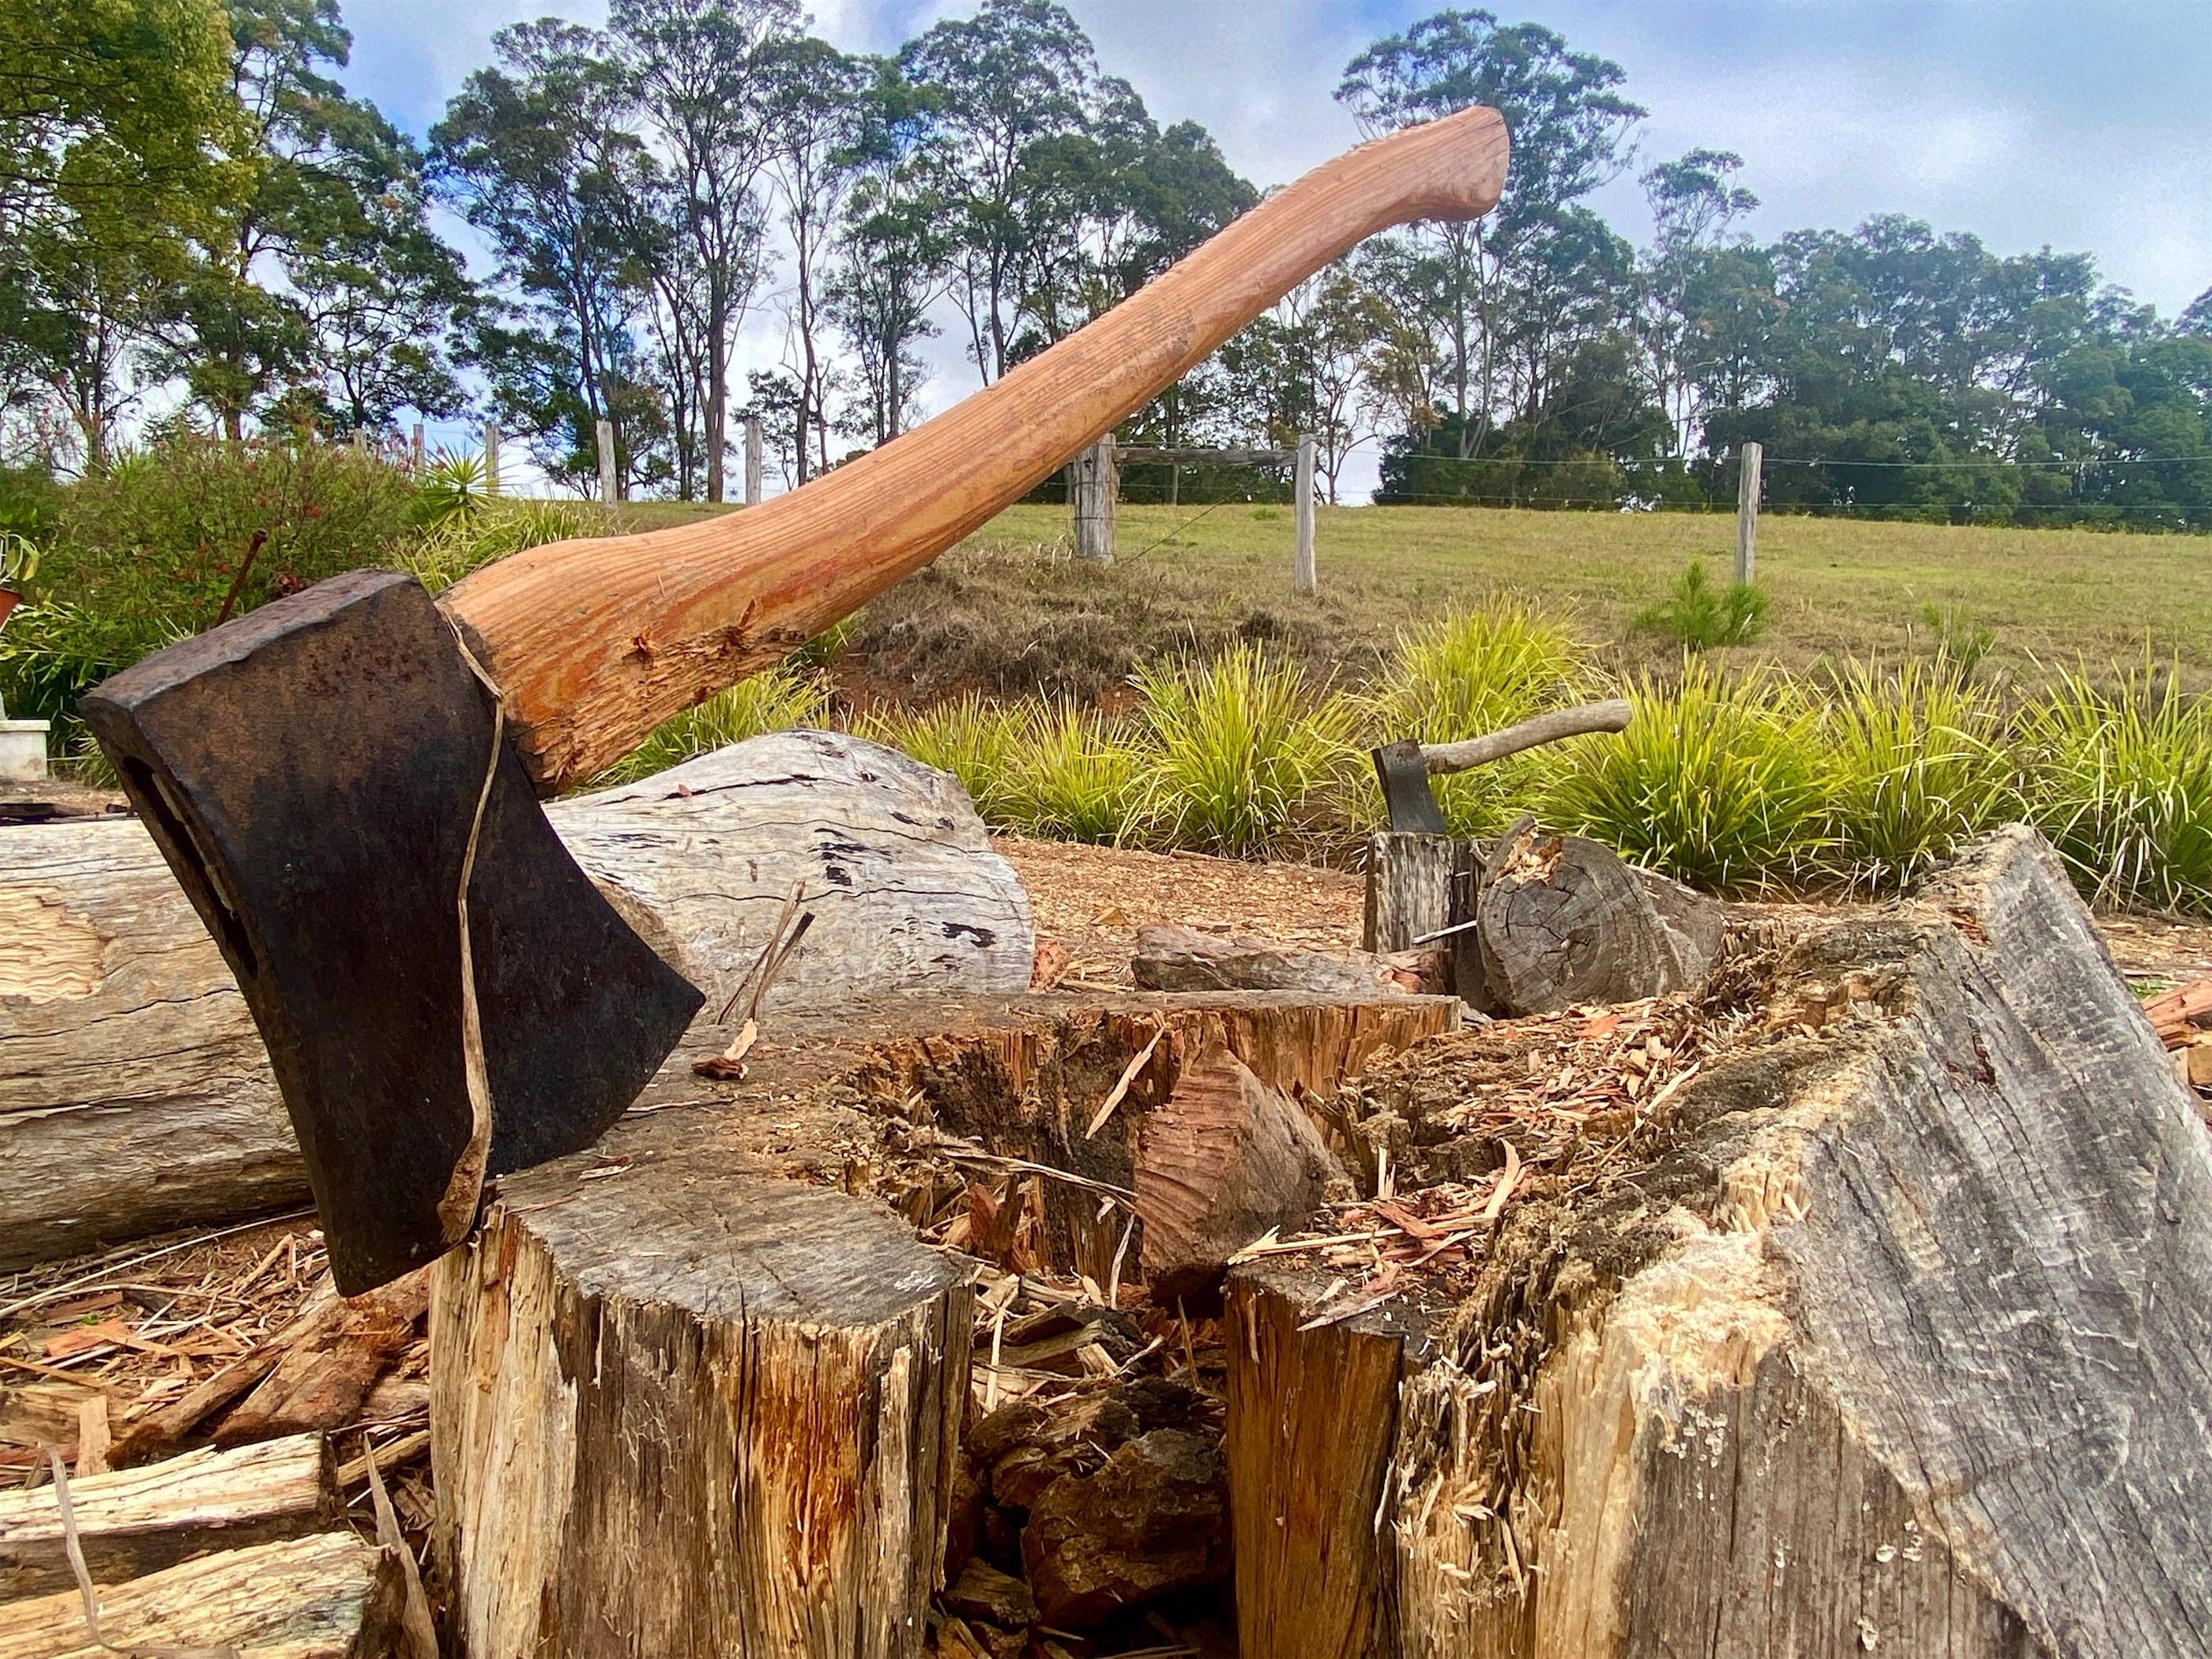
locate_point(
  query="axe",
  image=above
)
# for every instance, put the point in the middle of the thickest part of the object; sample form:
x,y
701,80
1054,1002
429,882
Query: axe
x,y
1403,767
346,782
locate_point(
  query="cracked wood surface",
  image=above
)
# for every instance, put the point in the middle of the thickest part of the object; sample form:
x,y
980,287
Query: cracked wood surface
x,y
134,1092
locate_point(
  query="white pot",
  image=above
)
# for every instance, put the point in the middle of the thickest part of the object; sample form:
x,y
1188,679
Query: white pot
x,y
23,752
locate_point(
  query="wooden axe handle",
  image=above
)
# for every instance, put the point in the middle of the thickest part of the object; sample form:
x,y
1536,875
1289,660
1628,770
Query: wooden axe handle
x,y
594,642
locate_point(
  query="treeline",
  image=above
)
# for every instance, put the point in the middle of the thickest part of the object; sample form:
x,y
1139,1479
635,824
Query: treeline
x,y
195,217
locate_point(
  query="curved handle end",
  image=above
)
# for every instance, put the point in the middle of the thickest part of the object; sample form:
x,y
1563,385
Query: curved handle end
x,y
1462,170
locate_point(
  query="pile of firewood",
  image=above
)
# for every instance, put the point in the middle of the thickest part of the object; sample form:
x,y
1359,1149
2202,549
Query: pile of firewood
x,y
2183,1019
202,1447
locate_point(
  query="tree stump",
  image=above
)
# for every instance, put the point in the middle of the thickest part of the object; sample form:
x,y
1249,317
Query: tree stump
x,y
685,1409
1883,1329
134,1095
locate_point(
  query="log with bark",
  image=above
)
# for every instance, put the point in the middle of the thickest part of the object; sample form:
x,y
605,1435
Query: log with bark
x,y
1560,919
1881,1326
134,1093
1170,959
130,1522
330,1595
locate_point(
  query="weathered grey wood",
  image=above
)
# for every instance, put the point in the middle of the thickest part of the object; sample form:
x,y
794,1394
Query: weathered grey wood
x,y
134,1093
1558,724
1561,920
1903,1343
492,481
1408,889
1301,494
693,1410
1184,959
754,453
1748,461
132,1522
603,434
1094,481
332,1595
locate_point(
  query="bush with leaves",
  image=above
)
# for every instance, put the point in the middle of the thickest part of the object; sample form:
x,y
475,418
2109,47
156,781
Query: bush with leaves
x,y
172,539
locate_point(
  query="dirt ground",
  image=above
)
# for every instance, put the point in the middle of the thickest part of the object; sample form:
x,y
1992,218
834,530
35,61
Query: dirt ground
x,y
1094,899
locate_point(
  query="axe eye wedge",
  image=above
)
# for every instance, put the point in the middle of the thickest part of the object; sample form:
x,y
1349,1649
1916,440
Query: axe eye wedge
x,y
313,772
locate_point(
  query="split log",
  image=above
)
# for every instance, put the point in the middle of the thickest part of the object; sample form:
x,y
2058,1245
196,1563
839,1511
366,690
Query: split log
x,y
134,1095
133,1522
1184,959
329,1363
1223,1160
1562,920
688,1409
1409,879
328,1596
1886,1331
1313,1420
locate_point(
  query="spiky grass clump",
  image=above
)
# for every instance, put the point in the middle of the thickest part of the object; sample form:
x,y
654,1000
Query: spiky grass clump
x,y
1073,775
1701,616
2120,782
1912,765
454,545
1714,783
1238,751
773,701
973,739
1474,671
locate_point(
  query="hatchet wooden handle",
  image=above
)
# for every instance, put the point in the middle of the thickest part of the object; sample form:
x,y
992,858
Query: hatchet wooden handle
x,y
594,642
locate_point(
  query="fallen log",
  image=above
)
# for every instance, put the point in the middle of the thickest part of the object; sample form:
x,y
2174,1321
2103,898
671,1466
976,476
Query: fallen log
x,y
134,1095
1880,1328
1560,919
1183,959
133,1522
328,1596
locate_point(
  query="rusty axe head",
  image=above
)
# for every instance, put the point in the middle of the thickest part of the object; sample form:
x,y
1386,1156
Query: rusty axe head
x,y
444,994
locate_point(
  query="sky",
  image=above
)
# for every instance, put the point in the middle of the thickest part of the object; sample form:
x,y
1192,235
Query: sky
x,y
2081,126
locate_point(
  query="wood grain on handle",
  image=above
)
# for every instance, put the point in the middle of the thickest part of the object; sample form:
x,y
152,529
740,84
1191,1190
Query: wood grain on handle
x,y
594,642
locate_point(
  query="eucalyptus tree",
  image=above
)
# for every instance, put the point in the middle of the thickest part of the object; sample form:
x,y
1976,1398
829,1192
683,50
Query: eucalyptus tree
x,y
704,76
1570,128
1694,202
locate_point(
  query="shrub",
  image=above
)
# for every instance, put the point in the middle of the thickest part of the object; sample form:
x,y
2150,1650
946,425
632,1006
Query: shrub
x,y
1912,766
1714,784
1701,616
1072,776
454,487
452,547
774,699
1470,672
974,740
172,539
1237,752
2120,782
1961,642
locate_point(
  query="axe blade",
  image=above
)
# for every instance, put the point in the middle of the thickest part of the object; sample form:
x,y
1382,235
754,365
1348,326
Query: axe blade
x,y
313,773
1407,796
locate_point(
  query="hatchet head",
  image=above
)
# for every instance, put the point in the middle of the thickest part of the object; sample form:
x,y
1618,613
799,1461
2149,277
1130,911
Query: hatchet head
x,y
325,777
1403,772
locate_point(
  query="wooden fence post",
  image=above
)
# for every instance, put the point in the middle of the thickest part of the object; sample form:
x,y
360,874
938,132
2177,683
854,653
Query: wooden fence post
x,y
415,448
604,432
491,458
1095,481
1301,569
1746,508
753,462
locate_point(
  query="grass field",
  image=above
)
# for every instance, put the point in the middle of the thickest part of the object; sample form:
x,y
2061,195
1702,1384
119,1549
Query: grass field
x,y
1010,610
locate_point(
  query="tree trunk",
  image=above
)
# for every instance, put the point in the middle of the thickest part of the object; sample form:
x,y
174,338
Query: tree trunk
x,y
134,1092
133,1522
330,1596
1882,1330
692,1409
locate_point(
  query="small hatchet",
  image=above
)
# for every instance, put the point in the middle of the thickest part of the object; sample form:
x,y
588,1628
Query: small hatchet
x,y
1403,767
346,782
